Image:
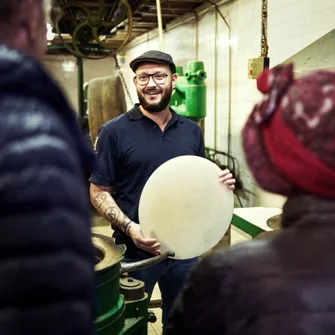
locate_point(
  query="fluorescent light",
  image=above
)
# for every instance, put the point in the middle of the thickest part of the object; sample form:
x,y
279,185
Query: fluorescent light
x,y
69,66
50,34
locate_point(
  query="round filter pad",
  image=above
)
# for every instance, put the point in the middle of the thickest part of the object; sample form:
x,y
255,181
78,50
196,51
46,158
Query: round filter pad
x,y
185,207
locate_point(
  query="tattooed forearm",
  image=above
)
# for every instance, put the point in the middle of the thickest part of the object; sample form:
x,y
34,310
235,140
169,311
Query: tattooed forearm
x,y
100,199
106,206
114,215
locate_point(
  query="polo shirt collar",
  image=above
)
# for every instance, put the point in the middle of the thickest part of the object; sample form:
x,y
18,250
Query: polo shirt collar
x,y
136,114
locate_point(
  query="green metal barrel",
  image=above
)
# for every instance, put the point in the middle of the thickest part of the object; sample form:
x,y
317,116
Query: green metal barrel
x,y
110,304
121,301
189,96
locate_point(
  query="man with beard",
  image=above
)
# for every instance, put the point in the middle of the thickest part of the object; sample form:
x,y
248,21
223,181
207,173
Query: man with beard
x,y
129,149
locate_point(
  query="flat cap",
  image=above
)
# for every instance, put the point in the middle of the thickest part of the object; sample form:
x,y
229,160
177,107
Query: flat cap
x,y
153,56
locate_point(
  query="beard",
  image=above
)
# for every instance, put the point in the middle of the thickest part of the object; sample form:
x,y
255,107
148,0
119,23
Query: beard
x,y
155,107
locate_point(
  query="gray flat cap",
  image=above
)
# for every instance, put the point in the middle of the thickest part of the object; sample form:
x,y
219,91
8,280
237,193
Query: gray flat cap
x,y
153,56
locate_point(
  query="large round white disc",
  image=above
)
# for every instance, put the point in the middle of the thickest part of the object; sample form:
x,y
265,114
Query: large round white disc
x,y
185,207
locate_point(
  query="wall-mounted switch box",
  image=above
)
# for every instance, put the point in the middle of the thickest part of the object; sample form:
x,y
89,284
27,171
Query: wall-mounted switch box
x,y
256,66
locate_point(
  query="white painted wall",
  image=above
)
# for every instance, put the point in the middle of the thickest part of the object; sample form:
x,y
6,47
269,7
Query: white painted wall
x,y
294,24
68,79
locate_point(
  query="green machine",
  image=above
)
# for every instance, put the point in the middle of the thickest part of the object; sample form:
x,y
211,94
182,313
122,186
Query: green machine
x,y
121,301
189,96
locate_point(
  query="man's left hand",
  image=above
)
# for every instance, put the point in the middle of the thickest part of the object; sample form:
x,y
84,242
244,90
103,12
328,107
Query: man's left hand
x,y
226,178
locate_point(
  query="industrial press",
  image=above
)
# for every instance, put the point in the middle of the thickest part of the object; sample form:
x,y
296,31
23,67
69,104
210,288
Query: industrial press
x,y
121,302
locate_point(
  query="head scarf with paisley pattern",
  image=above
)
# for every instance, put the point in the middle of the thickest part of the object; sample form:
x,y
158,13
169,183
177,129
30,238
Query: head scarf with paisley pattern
x,y
289,137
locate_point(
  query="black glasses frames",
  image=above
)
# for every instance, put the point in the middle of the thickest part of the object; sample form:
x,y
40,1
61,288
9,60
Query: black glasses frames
x,y
159,78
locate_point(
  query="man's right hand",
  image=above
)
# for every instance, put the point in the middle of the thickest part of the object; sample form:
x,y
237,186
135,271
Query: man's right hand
x,y
147,244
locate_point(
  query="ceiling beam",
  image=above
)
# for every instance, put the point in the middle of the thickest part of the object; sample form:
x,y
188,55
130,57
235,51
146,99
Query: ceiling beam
x,y
145,14
186,18
144,24
170,10
183,1
177,7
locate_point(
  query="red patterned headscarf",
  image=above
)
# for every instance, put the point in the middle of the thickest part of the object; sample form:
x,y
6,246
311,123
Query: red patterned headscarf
x,y
289,138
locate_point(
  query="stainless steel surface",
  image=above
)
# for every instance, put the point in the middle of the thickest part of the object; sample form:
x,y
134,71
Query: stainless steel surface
x,y
131,267
108,253
274,222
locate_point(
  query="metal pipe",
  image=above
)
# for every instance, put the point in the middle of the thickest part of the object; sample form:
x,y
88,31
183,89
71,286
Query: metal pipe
x,y
196,35
229,92
229,76
229,101
80,74
139,265
160,24
215,81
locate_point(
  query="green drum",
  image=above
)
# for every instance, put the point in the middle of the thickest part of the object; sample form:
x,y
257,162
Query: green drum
x,y
189,97
121,302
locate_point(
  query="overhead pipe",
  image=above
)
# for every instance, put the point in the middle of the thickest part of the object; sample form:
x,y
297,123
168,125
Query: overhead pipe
x,y
160,25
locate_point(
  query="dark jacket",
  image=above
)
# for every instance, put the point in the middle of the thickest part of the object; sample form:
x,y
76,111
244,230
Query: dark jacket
x,y
46,255
284,285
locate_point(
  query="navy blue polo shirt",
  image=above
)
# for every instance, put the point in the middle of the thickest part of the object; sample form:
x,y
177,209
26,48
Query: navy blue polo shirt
x,y
130,148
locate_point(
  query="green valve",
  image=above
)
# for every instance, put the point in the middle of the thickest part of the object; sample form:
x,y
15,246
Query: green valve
x,y
189,96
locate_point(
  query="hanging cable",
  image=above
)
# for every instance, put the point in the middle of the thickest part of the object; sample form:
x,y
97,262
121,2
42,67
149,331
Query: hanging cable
x,y
264,40
118,68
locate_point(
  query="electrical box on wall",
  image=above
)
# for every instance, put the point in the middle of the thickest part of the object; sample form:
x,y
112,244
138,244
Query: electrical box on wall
x,y
256,66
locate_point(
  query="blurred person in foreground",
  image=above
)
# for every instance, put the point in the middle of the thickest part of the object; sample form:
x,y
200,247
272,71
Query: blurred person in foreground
x,y
284,284
46,253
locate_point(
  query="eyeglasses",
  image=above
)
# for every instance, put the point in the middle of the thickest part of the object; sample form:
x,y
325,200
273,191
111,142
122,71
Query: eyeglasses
x,y
159,78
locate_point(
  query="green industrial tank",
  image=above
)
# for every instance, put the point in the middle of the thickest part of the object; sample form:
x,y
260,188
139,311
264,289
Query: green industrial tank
x,y
121,301
189,96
